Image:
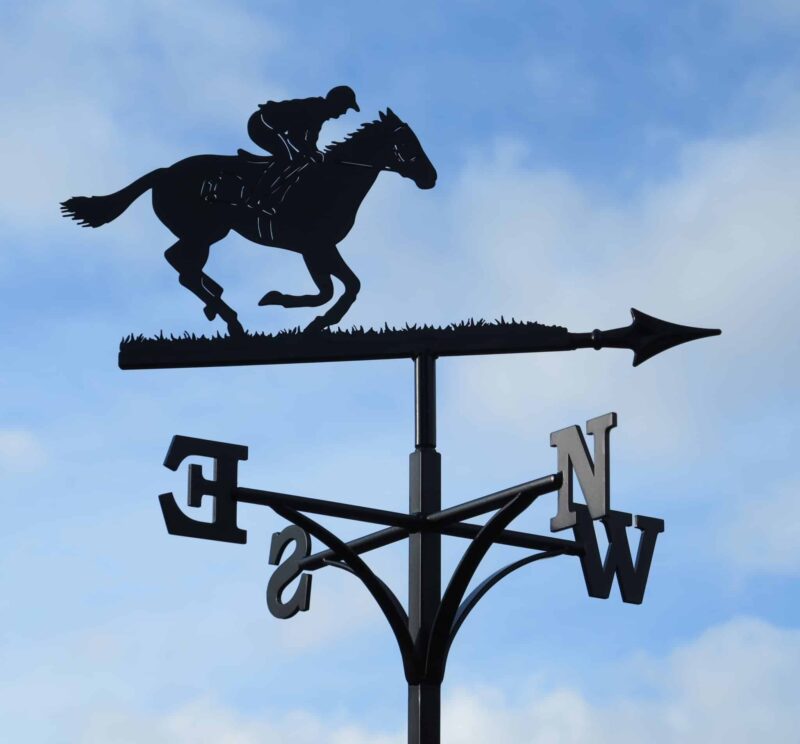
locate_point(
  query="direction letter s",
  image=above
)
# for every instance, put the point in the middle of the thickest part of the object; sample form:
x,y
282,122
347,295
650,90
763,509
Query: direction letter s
x,y
287,572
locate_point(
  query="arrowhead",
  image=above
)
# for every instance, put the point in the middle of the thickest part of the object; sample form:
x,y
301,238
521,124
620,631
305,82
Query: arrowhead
x,y
648,336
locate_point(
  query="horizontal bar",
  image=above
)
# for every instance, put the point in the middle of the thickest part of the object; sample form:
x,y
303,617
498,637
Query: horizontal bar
x,y
516,539
493,501
408,522
338,346
645,336
463,529
375,540
446,522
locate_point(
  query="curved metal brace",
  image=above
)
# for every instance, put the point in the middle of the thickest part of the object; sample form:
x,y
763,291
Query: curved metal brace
x,y
478,593
442,629
338,564
390,606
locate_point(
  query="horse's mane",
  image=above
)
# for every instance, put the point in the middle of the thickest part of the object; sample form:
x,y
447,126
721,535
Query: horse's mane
x,y
367,132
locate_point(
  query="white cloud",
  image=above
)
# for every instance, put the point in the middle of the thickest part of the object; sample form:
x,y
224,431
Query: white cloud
x,y
714,244
207,722
711,244
191,627
762,535
734,683
20,451
103,90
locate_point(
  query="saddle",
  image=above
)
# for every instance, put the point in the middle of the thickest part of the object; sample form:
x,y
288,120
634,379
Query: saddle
x,y
237,186
255,183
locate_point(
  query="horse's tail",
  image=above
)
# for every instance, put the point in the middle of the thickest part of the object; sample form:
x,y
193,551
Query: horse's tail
x,y
93,211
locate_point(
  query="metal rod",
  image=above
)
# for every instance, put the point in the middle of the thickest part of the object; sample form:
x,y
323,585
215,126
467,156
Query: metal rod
x,y
480,591
424,551
461,529
517,539
441,636
424,713
328,508
494,500
385,597
360,545
425,400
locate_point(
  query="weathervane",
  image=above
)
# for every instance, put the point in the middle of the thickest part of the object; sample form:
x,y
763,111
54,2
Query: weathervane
x,y
299,198
305,200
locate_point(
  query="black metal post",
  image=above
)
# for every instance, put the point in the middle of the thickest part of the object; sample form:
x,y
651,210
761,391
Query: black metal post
x,y
425,553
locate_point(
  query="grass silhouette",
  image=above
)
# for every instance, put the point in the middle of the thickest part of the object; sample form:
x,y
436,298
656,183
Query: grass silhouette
x,y
294,345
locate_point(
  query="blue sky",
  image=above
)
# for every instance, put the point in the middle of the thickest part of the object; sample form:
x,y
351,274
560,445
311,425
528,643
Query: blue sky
x,y
591,157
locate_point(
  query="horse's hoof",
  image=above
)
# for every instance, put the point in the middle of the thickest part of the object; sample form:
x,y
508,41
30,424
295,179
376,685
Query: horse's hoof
x,y
316,325
209,313
235,329
271,298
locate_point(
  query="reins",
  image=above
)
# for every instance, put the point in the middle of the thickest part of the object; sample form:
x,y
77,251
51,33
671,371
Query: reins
x,y
360,165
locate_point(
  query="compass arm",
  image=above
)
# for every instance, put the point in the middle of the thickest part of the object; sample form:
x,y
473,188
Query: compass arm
x,y
474,554
448,522
387,601
372,541
516,539
339,564
476,507
466,530
327,508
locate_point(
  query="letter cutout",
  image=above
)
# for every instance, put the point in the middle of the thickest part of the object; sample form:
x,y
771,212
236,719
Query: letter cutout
x,y
593,477
226,464
287,572
599,575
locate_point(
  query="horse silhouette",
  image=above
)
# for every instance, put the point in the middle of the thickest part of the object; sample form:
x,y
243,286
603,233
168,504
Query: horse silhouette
x,y
202,198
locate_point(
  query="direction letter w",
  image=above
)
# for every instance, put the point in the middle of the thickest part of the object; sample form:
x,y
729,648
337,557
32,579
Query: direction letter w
x,y
599,574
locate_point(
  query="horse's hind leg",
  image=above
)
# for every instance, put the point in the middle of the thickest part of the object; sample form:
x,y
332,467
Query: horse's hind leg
x,y
335,264
188,259
320,273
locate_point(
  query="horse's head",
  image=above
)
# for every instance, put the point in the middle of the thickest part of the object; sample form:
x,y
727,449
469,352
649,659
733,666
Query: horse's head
x,y
405,155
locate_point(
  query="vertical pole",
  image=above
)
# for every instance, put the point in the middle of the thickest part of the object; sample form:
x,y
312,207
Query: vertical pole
x,y
424,564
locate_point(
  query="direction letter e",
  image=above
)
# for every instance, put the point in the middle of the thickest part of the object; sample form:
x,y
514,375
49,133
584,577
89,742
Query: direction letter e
x,y
226,463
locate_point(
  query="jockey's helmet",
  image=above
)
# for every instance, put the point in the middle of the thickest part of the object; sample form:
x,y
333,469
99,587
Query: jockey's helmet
x,y
342,98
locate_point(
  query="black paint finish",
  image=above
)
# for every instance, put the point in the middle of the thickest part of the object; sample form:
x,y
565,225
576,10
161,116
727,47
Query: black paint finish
x,y
298,199
305,200
645,336
425,633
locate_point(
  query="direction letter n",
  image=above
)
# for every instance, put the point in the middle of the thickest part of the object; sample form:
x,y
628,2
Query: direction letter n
x,y
222,486
593,476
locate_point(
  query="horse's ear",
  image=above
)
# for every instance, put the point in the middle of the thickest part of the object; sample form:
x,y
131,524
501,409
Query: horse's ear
x,y
390,114
382,115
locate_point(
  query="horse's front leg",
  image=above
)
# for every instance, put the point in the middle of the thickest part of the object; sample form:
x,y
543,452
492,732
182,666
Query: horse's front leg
x,y
320,273
338,268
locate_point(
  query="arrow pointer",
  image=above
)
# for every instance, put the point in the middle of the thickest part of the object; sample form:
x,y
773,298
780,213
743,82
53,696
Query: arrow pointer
x,y
646,336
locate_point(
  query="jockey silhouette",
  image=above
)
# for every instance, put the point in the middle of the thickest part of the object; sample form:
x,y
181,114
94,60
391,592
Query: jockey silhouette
x,y
289,130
